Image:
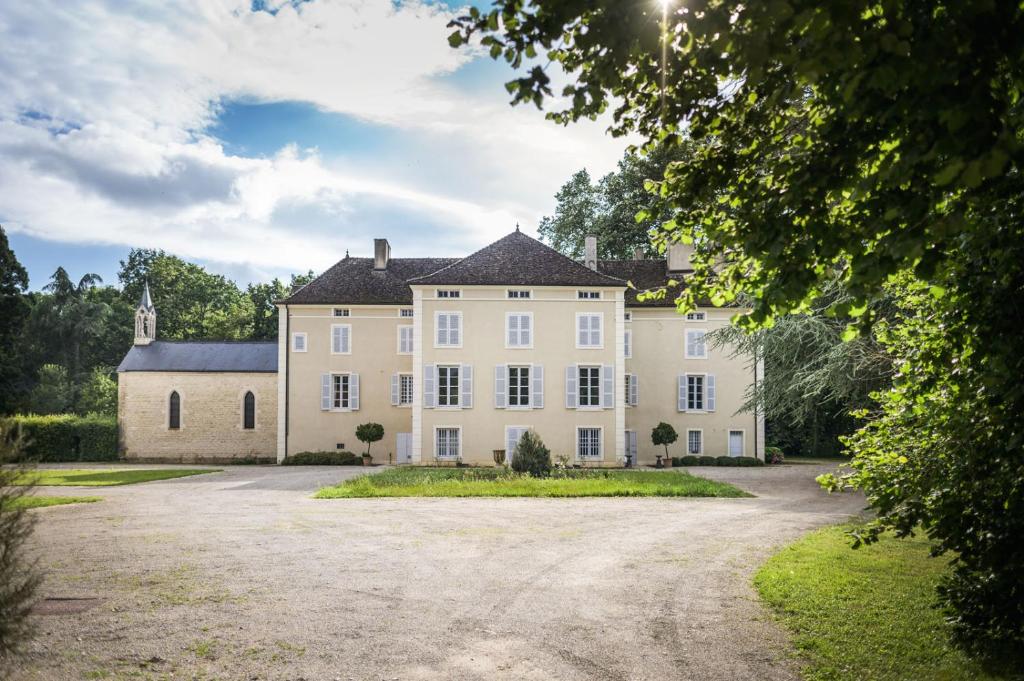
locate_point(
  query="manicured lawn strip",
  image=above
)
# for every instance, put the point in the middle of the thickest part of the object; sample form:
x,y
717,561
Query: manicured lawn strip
x,y
86,477
42,502
488,482
865,613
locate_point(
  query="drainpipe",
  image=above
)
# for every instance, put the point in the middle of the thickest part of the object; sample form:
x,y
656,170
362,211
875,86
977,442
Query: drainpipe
x,y
757,404
287,373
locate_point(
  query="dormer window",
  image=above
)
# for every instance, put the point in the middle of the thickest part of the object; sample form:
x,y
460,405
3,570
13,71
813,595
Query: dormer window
x,y
341,312
588,295
449,293
405,312
696,316
518,293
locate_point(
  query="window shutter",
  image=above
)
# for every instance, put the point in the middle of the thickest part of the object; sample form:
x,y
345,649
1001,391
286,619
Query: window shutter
x,y
513,329
538,387
467,386
442,329
353,391
499,386
595,330
634,390
709,398
608,379
346,339
570,387
682,393
525,330
454,329
583,330
394,390
325,392
428,386
510,446
627,344
335,339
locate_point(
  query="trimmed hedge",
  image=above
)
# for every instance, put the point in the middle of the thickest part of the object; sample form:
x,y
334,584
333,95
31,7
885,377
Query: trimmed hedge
x,y
67,437
748,461
706,461
745,461
726,461
341,458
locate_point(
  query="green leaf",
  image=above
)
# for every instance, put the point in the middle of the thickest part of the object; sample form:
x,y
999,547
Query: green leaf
x,y
455,39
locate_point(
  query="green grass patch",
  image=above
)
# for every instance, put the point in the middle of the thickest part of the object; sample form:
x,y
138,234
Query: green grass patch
x,y
866,613
42,502
85,477
497,482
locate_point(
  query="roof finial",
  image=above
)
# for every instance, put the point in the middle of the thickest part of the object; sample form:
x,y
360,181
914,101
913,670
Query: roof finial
x,y
517,225
146,302
346,252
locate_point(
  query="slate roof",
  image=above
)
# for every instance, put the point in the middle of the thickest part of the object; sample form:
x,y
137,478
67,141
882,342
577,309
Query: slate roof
x,y
517,260
212,356
354,281
642,275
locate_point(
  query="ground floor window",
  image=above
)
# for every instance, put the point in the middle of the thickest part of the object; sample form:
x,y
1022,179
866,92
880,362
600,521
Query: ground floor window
x,y
694,442
249,411
588,443
446,443
174,411
405,389
340,392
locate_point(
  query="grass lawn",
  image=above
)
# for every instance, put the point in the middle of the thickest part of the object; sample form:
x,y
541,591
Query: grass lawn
x,y
86,477
42,502
865,613
496,482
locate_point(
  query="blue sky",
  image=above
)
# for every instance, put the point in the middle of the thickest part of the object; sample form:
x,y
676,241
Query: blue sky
x,y
263,142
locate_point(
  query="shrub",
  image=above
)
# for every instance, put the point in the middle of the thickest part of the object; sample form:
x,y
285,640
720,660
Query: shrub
x,y
531,456
53,394
687,460
341,458
99,394
369,433
748,461
67,437
726,461
664,434
773,455
706,461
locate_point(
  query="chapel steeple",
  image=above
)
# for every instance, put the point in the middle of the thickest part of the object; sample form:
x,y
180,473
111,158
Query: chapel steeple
x,y
145,319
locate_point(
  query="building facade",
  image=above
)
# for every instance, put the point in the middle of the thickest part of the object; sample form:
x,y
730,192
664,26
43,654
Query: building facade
x,y
457,358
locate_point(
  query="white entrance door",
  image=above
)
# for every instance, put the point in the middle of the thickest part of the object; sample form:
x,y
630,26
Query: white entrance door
x,y
403,448
735,443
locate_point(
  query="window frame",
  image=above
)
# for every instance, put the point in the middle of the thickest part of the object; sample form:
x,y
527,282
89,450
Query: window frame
x,y
696,316
703,392
508,319
401,376
171,425
437,317
447,457
579,386
347,406
627,316
686,344
402,313
447,293
600,331
518,291
627,344
588,295
458,386
341,312
700,435
627,384
529,385
305,341
409,329
341,352
600,443
245,397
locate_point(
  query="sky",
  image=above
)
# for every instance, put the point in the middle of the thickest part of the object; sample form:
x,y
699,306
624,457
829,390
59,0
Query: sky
x,y
261,138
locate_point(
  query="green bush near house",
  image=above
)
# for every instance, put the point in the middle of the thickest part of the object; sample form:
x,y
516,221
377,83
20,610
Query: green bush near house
x,y
706,461
748,461
341,458
66,437
726,461
531,456
687,460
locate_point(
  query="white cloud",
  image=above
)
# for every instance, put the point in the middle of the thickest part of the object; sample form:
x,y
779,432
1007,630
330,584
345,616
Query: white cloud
x,y
131,96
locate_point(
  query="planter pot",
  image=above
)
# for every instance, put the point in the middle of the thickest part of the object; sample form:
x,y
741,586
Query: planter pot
x,y
667,461
659,463
367,461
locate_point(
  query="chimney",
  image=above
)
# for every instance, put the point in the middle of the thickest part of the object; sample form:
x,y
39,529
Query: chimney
x,y
590,252
638,253
381,254
679,257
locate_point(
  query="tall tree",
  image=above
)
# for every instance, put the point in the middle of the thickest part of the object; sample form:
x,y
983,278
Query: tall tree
x,y
191,302
872,138
263,297
14,310
66,319
609,208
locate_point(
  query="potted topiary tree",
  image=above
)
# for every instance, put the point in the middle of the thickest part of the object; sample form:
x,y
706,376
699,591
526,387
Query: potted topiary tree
x,y
369,433
664,434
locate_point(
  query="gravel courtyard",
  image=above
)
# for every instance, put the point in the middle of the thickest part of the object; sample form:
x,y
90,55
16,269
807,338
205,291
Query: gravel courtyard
x,y
241,575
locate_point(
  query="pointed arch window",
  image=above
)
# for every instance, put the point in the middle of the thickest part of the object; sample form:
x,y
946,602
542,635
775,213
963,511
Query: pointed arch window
x,y
174,411
249,411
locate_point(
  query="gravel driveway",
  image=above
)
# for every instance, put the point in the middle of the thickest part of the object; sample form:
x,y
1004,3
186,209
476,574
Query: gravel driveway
x,y
241,575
